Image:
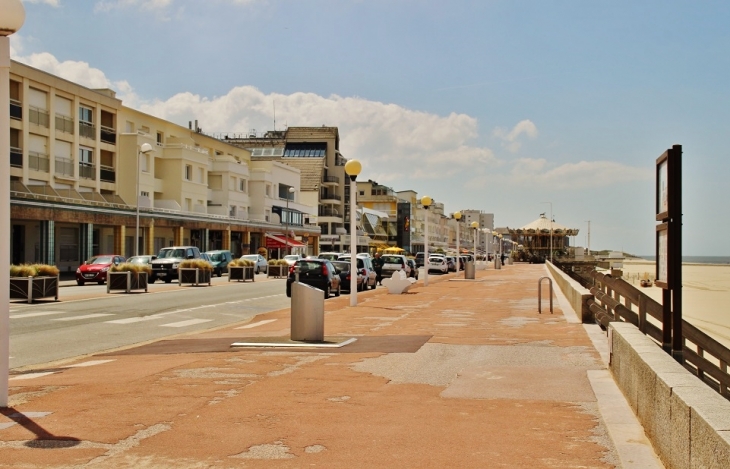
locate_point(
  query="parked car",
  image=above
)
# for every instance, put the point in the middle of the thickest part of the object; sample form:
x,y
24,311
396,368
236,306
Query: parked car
x,y
365,268
318,273
419,259
168,260
330,256
343,270
438,264
206,257
414,269
95,269
260,264
145,259
451,261
220,260
292,258
393,263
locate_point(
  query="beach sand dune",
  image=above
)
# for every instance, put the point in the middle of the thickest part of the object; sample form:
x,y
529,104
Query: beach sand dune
x,y
705,294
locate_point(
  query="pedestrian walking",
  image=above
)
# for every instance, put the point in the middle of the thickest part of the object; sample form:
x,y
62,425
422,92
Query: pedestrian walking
x,y
378,266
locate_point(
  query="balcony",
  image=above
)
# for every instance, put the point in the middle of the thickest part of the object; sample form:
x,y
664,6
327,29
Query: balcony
x,y
16,109
38,116
16,157
330,180
38,161
108,135
87,170
64,124
87,130
64,167
107,173
329,198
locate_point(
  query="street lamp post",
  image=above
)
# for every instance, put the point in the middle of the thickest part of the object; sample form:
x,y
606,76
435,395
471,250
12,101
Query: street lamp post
x,y
286,232
12,18
145,149
426,202
551,230
353,168
475,225
457,217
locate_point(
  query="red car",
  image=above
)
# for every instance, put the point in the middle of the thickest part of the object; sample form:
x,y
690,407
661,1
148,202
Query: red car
x,y
94,270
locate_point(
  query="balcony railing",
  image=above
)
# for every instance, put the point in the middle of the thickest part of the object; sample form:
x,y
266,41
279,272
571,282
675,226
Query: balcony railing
x,y
107,173
330,196
64,124
87,170
328,212
87,130
38,161
64,166
108,135
16,109
331,179
16,157
38,116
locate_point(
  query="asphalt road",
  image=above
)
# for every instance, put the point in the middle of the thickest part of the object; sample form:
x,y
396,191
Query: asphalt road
x,y
89,320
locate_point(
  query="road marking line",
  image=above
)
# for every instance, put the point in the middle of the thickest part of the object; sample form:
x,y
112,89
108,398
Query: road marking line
x,y
133,320
89,363
256,324
30,376
88,316
33,315
190,322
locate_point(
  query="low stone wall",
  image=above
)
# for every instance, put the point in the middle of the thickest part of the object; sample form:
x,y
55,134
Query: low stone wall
x,y
576,294
687,422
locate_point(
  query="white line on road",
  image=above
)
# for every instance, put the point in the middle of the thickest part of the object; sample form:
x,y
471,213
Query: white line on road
x,y
256,324
89,363
189,322
79,318
30,376
134,320
33,315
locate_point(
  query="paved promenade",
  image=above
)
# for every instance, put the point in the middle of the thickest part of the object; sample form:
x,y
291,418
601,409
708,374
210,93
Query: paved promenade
x,y
462,374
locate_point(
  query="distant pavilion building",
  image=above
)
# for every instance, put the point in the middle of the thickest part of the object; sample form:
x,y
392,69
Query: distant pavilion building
x,y
535,237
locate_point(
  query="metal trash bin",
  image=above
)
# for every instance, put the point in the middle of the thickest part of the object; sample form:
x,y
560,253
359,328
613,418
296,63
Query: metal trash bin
x,y
469,270
497,262
509,261
307,313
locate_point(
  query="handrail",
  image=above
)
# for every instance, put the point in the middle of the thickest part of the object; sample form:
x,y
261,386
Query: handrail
x,y
704,356
539,294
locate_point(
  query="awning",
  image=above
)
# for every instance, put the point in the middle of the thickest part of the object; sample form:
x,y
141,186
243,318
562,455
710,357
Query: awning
x,y
278,241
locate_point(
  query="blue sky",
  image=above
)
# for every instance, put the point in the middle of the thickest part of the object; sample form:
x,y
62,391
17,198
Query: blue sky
x,y
499,106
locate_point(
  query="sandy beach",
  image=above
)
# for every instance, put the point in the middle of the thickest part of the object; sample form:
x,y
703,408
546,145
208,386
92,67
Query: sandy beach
x,y
705,294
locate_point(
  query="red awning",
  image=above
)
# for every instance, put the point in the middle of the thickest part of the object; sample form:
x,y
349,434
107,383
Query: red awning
x,y
279,241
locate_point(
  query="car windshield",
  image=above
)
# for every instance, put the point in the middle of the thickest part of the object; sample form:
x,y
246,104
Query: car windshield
x,y
341,266
292,257
392,260
171,253
216,257
251,257
100,260
309,266
138,260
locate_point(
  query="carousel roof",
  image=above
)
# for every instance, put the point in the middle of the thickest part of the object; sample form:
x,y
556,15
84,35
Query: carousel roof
x,y
543,225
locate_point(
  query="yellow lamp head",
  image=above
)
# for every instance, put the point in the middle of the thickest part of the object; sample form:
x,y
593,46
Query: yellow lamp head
x,y
457,216
353,168
426,201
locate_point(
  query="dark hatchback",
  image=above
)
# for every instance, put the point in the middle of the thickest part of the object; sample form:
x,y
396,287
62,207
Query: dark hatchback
x,y
343,269
317,273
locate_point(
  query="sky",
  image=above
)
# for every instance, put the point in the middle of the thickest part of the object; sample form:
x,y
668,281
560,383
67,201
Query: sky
x,y
511,107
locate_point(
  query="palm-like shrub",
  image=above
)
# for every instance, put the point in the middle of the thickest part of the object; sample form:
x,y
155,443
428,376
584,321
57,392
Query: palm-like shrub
x,y
196,264
241,263
130,267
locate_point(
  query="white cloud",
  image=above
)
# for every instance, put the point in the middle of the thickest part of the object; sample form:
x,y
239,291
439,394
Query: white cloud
x,y
108,5
510,137
571,176
53,3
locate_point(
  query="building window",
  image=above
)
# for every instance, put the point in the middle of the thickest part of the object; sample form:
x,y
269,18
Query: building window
x,y
242,185
86,123
160,138
144,194
86,115
188,172
201,175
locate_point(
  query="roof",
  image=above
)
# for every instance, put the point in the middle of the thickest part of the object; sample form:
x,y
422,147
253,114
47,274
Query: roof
x,y
544,225
310,169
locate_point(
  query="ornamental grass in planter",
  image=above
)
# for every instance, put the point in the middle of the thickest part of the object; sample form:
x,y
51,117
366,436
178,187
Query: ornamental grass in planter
x,y
278,268
195,271
241,269
32,281
127,276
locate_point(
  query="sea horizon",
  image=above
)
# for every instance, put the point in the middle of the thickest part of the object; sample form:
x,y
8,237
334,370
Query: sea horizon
x,y
697,259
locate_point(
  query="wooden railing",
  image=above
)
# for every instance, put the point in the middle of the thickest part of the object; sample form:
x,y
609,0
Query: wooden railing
x,y
617,300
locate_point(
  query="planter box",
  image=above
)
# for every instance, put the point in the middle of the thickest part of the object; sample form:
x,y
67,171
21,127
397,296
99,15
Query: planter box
x,y
278,271
194,276
31,288
126,281
240,273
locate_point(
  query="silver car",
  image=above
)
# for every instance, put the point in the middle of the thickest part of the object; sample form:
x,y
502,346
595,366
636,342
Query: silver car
x,y
260,264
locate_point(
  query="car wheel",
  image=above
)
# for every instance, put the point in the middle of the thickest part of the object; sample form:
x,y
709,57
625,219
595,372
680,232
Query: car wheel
x,y
327,292
220,272
168,280
257,270
100,282
151,280
80,283
339,290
